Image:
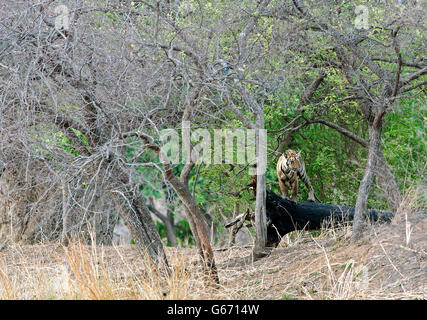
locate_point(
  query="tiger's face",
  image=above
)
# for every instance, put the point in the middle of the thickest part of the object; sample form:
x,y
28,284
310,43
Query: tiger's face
x,y
291,160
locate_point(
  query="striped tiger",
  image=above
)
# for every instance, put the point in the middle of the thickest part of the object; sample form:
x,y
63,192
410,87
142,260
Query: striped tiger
x,y
289,167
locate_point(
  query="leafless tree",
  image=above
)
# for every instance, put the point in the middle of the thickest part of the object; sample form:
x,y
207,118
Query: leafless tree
x,y
67,94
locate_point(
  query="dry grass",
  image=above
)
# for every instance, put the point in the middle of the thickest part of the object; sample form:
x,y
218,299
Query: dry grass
x,y
390,262
80,271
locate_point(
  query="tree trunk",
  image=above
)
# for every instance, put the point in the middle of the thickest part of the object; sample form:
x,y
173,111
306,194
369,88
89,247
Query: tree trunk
x,y
198,226
374,150
232,234
161,210
260,213
197,222
285,216
387,182
141,226
194,232
170,229
260,218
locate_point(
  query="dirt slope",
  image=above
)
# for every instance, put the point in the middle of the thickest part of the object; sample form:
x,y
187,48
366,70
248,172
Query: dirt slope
x,y
390,262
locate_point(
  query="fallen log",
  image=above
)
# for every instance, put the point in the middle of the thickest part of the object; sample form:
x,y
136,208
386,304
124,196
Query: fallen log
x,y
284,216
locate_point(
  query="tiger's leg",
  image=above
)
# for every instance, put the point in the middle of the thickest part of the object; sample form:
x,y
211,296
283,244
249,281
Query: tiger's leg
x,y
295,190
283,189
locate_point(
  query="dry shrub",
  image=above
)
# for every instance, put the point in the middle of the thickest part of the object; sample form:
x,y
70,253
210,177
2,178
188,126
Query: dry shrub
x,y
7,288
90,272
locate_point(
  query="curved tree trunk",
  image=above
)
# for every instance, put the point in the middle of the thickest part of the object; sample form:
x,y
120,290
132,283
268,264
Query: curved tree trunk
x,y
387,182
374,149
197,222
170,229
198,225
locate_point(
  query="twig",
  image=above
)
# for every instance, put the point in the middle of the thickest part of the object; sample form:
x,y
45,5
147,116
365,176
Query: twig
x,y
4,244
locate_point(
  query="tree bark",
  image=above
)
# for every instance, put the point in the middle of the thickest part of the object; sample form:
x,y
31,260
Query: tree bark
x,y
285,216
141,226
260,206
198,224
387,182
232,235
260,218
170,229
374,150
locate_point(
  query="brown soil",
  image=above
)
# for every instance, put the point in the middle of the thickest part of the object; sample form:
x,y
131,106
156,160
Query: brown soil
x,y
385,264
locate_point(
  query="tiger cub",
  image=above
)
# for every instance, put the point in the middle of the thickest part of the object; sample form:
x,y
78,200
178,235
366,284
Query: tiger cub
x,y
289,167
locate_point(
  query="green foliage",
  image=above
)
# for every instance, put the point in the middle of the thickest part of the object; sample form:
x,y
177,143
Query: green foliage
x,y
334,164
287,297
65,143
404,140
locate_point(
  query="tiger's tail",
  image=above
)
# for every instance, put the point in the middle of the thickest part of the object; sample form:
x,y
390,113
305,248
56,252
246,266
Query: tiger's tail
x,y
304,178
